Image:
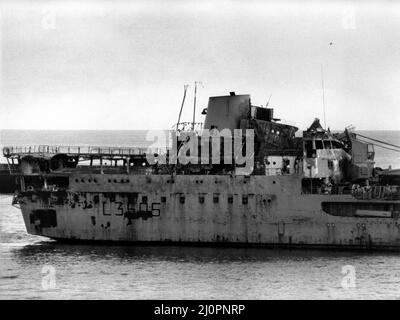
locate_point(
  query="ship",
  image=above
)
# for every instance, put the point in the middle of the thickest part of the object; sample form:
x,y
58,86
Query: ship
x,y
272,187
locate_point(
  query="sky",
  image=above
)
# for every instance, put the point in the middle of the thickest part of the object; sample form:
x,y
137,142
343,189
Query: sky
x,y
123,64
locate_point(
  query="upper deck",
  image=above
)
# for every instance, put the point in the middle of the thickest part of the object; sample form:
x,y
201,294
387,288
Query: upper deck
x,y
48,151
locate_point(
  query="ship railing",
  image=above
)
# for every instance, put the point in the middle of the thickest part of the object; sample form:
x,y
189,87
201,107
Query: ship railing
x,y
80,150
376,192
188,126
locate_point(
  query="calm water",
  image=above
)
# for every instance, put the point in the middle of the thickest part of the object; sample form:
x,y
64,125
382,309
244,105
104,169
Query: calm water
x,y
135,272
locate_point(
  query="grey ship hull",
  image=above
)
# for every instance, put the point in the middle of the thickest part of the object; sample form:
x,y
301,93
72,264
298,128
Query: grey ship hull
x,y
318,190
203,209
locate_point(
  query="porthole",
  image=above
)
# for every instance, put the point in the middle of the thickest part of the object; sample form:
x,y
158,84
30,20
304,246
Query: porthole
x,y
274,182
245,199
90,180
95,181
144,199
163,199
230,199
115,180
216,199
109,180
82,180
201,199
76,180
274,163
182,199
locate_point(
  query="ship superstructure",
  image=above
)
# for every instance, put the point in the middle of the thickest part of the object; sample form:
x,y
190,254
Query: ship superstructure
x,y
318,190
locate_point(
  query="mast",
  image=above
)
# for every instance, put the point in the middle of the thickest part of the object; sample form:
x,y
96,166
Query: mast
x,y
183,102
268,101
323,93
194,103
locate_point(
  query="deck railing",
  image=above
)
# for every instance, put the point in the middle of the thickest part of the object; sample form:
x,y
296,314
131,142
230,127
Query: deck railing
x,y
11,151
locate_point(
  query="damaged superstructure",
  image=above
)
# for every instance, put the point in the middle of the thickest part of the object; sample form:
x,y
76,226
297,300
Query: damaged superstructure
x,y
319,190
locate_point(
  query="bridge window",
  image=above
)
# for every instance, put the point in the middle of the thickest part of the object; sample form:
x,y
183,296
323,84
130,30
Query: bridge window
x,y
327,144
310,151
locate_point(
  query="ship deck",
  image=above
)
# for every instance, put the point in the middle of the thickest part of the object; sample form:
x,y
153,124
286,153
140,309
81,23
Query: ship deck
x,y
48,151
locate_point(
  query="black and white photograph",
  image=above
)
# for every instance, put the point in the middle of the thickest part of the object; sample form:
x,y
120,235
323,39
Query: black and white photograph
x,y
227,150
